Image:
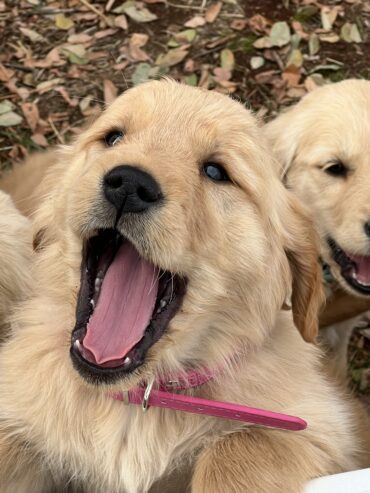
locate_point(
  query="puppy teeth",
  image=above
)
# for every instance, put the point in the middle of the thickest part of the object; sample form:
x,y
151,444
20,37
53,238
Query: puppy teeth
x,y
127,361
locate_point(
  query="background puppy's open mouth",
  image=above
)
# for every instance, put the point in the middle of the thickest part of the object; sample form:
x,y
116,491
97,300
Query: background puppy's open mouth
x,y
355,269
124,306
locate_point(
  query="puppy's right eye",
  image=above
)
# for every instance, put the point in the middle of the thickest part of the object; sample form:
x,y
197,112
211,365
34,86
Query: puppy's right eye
x,y
336,169
113,138
215,172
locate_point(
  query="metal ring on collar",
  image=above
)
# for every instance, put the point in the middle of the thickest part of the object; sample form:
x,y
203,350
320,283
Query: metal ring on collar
x,y
145,403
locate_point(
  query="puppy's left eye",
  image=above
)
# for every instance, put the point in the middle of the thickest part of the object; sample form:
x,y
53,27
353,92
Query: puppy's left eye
x,y
112,138
215,172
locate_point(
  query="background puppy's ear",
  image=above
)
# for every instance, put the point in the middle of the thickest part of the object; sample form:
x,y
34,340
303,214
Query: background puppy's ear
x,y
282,135
303,253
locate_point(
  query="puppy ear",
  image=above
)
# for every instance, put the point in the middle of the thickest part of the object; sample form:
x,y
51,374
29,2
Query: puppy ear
x,y
303,253
282,136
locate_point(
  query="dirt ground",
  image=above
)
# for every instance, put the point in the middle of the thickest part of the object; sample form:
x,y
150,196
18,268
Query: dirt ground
x,y
63,60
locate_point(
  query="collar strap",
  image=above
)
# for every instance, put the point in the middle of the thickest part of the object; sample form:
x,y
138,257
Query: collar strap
x,y
147,396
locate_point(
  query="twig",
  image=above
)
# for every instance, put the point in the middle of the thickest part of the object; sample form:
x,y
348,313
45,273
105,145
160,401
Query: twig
x,y
95,10
18,66
30,12
55,130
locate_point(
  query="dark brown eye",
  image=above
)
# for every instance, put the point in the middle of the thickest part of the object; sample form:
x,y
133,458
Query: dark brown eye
x,y
215,172
336,169
113,138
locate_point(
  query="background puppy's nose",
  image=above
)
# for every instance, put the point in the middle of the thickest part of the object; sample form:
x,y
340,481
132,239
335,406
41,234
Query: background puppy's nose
x,y
367,228
130,189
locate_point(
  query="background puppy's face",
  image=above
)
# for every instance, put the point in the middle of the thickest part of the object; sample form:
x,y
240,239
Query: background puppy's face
x,y
323,145
184,229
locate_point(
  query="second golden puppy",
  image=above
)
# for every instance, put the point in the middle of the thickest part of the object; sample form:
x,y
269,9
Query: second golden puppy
x,y
168,251
323,145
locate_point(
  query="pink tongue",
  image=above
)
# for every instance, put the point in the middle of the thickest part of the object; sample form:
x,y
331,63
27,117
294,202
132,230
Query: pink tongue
x,y
124,307
362,273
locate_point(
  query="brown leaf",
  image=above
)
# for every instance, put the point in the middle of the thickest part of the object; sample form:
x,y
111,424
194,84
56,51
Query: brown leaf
x,y
221,74
5,74
110,91
52,60
121,22
212,12
138,40
48,85
79,38
121,65
239,24
173,57
196,21
259,23
31,113
291,75
22,92
62,91
105,33
39,139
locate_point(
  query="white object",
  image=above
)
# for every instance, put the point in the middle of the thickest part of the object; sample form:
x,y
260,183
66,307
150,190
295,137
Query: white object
x,y
348,482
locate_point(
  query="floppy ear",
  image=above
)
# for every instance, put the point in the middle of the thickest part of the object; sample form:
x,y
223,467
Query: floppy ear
x,y
303,253
283,136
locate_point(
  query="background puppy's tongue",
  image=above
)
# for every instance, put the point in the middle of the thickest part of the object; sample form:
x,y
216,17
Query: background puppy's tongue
x,y
125,306
362,268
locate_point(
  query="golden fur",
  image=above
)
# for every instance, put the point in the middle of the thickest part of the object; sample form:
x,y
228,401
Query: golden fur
x,y
15,258
239,244
331,124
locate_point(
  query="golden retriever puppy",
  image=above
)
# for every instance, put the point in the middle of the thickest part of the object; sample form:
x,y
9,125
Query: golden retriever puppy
x,y
323,146
169,244
15,258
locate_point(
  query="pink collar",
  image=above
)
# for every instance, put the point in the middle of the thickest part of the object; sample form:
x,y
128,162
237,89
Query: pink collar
x,y
162,397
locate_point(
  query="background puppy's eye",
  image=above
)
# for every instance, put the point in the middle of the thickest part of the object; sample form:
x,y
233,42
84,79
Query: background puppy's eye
x,y
215,172
112,138
336,169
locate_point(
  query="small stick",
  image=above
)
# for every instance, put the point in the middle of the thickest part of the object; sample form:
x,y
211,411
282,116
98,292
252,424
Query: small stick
x,y
95,10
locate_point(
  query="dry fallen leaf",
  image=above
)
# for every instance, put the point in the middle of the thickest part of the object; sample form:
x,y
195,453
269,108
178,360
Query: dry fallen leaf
x,y
43,87
79,38
63,22
212,12
173,57
135,11
5,74
196,21
110,91
32,35
31,114
137,41
328,16
279,34
227,59
39,139
10,119
239,24
259,23
313,44
121,22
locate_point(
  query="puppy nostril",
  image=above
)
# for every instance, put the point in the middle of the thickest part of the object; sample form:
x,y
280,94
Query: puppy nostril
x,y
113,181
147,195
367,228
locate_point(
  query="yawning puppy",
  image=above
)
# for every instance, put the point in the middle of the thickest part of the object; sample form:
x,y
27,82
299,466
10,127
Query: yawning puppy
x,y
323,145
168,245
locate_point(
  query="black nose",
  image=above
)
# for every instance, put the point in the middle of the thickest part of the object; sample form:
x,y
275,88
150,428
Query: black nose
x,y
130,189
367,228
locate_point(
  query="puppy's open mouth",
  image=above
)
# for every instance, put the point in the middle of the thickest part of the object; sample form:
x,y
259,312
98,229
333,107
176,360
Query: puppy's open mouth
x,y
355,269
125,304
